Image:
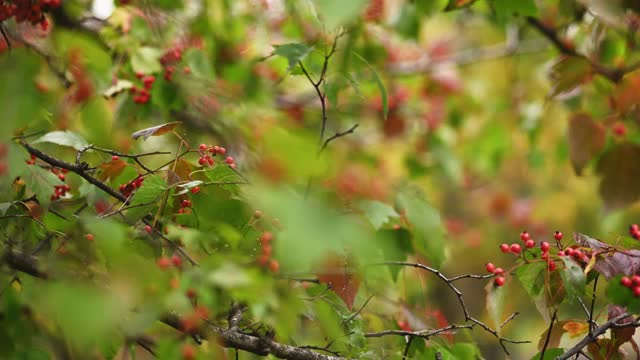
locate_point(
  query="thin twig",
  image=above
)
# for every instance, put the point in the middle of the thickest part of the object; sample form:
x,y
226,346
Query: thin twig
x,y
546,340
338,135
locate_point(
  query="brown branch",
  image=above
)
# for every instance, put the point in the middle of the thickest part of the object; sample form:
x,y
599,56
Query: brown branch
x,y
589,338
338,135
546,340
425,334
24,263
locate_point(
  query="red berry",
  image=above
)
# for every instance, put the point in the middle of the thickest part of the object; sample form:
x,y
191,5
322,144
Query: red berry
x,y
139,74
164,263
266,237
545,246
148,229
115,158
195,189
636,291
274,266
635,279
499,281
569,251
148,81
202,147
202,161
529,244
619,129
229,160
551,265
515,248
263,260
257,214
191,293
220,150
185,203
545,255
558,235
267,250
491,268
176,260
89,237
561,253
61,176
188,352
498,271
187,70
626,281
505,248
210,161
524,236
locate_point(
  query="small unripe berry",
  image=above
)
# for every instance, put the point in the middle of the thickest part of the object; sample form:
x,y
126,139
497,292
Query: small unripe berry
x,y
115,158
557,235
89,237
529,244
499,271
515,248
504,248
545,246
164,263
148,229
491,268
499,281
524,236
176,260
626,281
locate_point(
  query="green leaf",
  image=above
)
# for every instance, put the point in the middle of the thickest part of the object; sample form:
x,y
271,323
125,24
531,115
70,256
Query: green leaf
x,y
549,354
428,231
495,303
149,193
63,138
222,173
505,8
573,278
41,182
294,53
146,60
465,351
334,13
379,83
395,245
378,213
568,73
531,276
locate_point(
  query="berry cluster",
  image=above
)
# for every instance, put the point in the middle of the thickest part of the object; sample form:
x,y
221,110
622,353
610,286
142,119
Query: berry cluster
x,y
529,243
28,10
185,206
143,95
206,159
265,258
634,231
59,190
498,271
128,188
165,262
632,283
168,61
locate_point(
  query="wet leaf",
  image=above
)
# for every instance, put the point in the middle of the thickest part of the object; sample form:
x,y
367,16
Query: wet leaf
x,y
619,186
586,140
155,130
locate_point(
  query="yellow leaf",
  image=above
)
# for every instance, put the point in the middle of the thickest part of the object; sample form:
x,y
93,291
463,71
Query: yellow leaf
x,y
576,329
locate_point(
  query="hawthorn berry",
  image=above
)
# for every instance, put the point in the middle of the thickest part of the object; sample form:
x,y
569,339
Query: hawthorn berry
x,y
505,248
515,248
202,161
274,266
636,291
529,244
619,129
115,158
491,268
229,160
202,147
176,260
545,246
263,260
498,271
267,250
524,236
561,253
195,189
220,150
266,237
551,265
188,352
148,229
569,251
558,235
89,237
61,176
626,281
164,263
499,281
191,293
635,280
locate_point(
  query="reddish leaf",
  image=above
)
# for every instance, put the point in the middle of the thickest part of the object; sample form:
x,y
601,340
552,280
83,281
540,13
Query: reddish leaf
x,y
111,169
155,130
586,140
620,335
620,173
341,278
620,262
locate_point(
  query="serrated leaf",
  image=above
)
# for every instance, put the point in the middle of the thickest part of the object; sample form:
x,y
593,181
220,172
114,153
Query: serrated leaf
x,y
625,262
586,140
379,83
155,130
494,303
378,213
428,231
293,52
222,173
118,87
531,276
619,186
146,60
334,13
63,138
573,278
568,73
